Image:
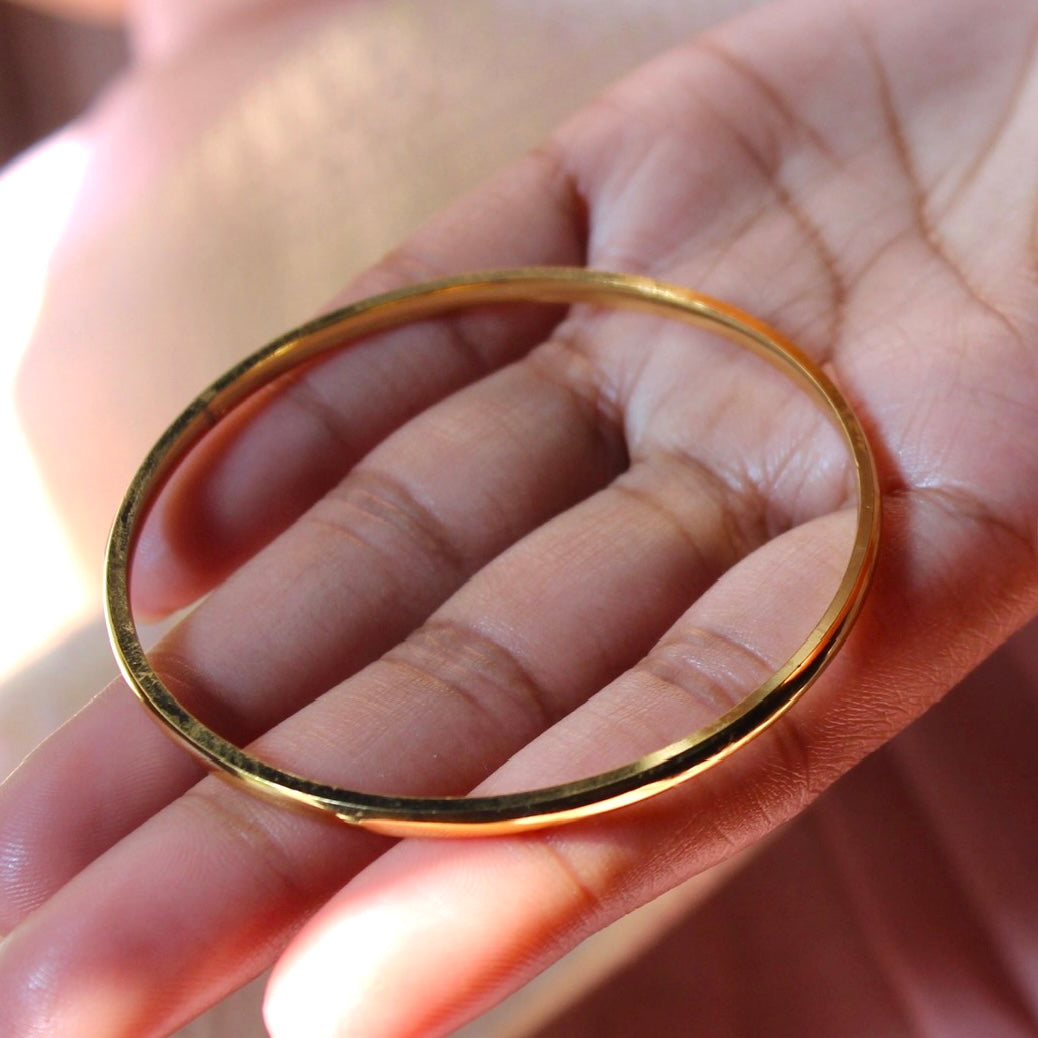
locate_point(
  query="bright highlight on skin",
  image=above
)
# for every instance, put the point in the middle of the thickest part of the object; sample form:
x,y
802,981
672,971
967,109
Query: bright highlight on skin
x,y
37,197
337,977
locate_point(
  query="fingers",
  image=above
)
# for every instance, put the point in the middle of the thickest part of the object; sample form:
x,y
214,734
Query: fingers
x,y
527,899
528,639
515,648
521,643
251,870
95,779
227,898
263,467
234,497
496,912
355,575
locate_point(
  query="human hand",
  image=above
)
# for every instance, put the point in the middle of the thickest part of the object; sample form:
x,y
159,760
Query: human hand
x,y
854,175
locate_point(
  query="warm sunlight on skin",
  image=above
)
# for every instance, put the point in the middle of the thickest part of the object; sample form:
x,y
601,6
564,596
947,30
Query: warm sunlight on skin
x,y
100,997
338,977
46,594
371,929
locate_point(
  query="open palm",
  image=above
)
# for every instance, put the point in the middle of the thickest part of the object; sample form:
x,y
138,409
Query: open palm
x,y
489,519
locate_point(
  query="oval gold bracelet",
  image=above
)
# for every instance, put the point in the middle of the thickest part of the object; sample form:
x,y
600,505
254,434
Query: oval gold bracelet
x,y
453,816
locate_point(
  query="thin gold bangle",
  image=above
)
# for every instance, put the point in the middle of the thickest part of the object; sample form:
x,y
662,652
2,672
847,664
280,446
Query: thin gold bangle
x,y
555,805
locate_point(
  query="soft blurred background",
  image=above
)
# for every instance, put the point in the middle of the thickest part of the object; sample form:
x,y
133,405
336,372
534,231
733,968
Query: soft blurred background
x,y
51,69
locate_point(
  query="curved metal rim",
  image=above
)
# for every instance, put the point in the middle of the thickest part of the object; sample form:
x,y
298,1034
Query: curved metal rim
x,y
553,805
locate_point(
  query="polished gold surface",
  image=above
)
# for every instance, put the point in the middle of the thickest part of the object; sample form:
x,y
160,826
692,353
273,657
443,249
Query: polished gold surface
x,y
555,805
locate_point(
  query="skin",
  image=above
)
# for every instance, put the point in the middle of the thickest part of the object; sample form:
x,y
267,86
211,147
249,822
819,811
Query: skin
x,y
635,511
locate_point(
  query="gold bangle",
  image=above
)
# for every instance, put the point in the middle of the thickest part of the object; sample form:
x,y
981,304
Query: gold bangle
x,y
454,816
